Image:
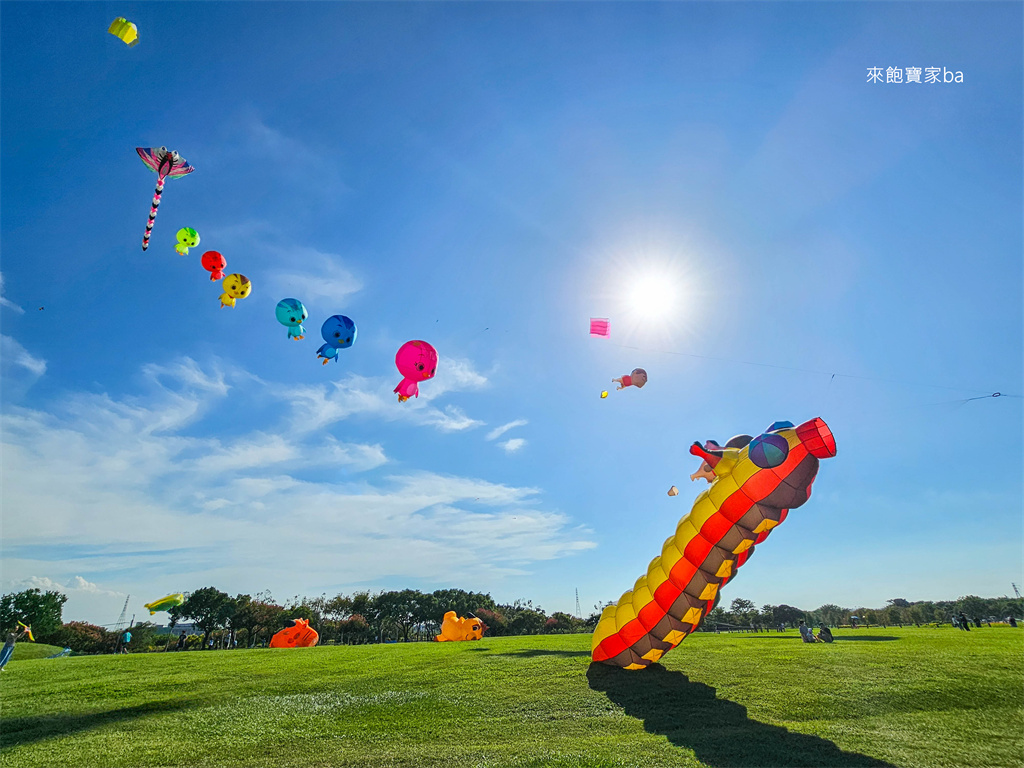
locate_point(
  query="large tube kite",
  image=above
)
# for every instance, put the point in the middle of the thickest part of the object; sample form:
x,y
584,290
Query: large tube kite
x,y
756,482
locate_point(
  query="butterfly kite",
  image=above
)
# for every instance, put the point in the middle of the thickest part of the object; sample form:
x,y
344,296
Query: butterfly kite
x,y
165,164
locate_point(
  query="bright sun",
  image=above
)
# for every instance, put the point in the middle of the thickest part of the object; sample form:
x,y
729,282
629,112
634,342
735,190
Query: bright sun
x,y
653,296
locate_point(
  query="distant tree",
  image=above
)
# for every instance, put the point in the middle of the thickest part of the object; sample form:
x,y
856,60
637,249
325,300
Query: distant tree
x,y
768,614
354,629
461,601
831,614
40,610
400,609
560,623
497,624
81,637
208,608
972,605
892,614
526,620
741,606
143,635
338,607
787,614
899,602
428,616
715,617
743,611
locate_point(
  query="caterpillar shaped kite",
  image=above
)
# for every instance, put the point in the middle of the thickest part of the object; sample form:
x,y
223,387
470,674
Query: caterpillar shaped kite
x,y
755,483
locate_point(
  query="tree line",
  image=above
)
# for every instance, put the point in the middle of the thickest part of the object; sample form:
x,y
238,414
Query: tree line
x,y
411,615
897,611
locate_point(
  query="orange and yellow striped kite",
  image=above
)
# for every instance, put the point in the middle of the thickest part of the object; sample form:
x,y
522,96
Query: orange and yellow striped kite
x,y
754,484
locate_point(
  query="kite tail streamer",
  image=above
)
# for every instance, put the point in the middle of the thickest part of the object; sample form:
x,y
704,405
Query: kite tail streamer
x,y
152,211
754,488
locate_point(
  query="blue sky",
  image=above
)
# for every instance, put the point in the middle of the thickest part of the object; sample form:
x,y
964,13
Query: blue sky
x,y
487,177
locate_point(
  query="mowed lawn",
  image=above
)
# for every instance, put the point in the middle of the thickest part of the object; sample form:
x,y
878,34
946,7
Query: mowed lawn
x,y
901,697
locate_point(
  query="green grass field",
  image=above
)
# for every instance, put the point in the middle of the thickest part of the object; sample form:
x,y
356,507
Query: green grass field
x,y
26,650
910,697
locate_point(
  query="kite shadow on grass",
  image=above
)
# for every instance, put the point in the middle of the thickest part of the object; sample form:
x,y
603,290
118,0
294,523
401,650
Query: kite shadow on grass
x,y
539,652
719,732
837,638
18,731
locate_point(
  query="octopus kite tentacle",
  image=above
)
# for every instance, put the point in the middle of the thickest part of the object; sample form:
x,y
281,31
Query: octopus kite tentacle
x,y
152,212
754,488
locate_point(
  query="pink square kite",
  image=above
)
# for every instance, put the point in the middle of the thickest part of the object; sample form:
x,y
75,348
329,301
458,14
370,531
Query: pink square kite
x,y
599,327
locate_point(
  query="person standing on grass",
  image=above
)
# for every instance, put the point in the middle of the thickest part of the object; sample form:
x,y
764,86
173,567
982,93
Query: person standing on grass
x,y
8,651
125,639
181,641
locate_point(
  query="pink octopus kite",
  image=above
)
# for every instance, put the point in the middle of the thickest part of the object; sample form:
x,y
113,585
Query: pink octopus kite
x,y
416,361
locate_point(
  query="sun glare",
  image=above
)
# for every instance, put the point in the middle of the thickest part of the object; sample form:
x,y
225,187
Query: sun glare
x,y
653,296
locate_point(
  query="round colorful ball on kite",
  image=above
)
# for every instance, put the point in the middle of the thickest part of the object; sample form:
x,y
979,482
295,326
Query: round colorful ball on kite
x,y
291,313
340,333
416,361
236,286
187,238
215,264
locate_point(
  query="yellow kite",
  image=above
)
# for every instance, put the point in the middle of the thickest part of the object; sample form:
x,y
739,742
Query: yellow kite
x,y
125,30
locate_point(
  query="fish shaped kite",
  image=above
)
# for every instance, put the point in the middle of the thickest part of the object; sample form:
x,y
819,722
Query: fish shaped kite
x,y
166,165
165,603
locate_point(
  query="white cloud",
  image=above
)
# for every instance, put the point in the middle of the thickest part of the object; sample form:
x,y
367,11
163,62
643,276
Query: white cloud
x,y
513,445
318,406
107,494
13,354
452,419
84,598
455,375
5,302
309,168
497,432
322,277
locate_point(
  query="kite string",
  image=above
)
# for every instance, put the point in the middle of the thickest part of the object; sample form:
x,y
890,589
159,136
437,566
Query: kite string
x,y
809,370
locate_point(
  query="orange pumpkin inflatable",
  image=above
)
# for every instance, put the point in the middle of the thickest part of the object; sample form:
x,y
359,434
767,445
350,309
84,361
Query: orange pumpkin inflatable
x,y
454,627
298,635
